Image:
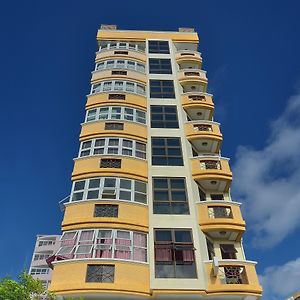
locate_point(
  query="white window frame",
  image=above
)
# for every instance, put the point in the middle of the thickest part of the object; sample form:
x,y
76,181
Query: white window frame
x,y
116,46
117,189
110,115
137,66
106,146
139,89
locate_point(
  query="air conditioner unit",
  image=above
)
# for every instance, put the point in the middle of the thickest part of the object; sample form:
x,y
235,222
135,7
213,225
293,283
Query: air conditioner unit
x,y
215,263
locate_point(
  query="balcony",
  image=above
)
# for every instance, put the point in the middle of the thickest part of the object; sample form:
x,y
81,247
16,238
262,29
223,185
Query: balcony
x,y
112,165
131,215
116,98
121,53
221,219
192,75
118,73
99,128
238,278
184,55
205,136
192,85
127,280
198,106
212,173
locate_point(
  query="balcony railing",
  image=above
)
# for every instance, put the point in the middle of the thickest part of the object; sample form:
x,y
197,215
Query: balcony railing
x,y
233,275
121,46
210,165
220,212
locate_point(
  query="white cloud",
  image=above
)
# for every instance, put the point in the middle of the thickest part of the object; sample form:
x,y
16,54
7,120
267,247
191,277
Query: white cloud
x,y
267,181
280,282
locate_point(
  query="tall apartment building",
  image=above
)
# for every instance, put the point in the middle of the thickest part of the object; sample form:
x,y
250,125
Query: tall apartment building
x,y
150,213
45,247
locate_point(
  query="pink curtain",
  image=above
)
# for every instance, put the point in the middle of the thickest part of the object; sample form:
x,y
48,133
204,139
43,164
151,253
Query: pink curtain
x,y
123,242
122,254
86,237
188,255
103,253
163,254
139,239
87,255
139,254
68,243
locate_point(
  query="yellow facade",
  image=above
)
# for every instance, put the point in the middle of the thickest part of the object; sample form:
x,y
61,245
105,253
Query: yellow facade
x,y
132,100
131,54
90,167
132,216
131,279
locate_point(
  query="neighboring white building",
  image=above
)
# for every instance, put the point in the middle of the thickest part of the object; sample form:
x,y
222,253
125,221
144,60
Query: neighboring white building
x,y
45,246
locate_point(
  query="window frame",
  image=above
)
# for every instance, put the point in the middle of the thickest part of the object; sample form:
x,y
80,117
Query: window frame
x,y
170,191
160,66
163,115
138,67
118,189
159,88
156,47
166,157
137,114
117,85
135,151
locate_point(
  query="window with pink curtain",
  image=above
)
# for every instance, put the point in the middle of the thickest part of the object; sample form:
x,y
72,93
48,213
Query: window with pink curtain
x,y
86,237
188,255
163,253
122,252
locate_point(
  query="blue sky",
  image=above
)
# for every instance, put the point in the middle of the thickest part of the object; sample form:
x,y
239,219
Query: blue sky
x,y
250,51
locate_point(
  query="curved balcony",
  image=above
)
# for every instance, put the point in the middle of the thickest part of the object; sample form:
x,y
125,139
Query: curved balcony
x,y
99,129
192,75
109,165
233,277
192,85
190,55
116,98
131,216
121,53
118,73
199,106
123,280
212,173
221,219
205,136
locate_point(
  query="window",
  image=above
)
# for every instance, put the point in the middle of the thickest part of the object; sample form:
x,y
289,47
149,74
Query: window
x,y
39,271
109,188
110,163
217,197
116,97
122,45
117,85
169,196
120,64
158,47
100,273
46,243
164,116
106,210
162,89
202,195
116,113
114,126
41,256
174,254
107,243
123,73
166,152
228,251
216,212
160,66
115,146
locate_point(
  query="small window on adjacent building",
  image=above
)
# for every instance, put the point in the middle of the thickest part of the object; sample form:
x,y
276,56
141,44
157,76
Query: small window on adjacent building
x,y
160,66
114,126
110,163
169,196
166,152
164,116
100,273
162,89
228,251
159,47
106,210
